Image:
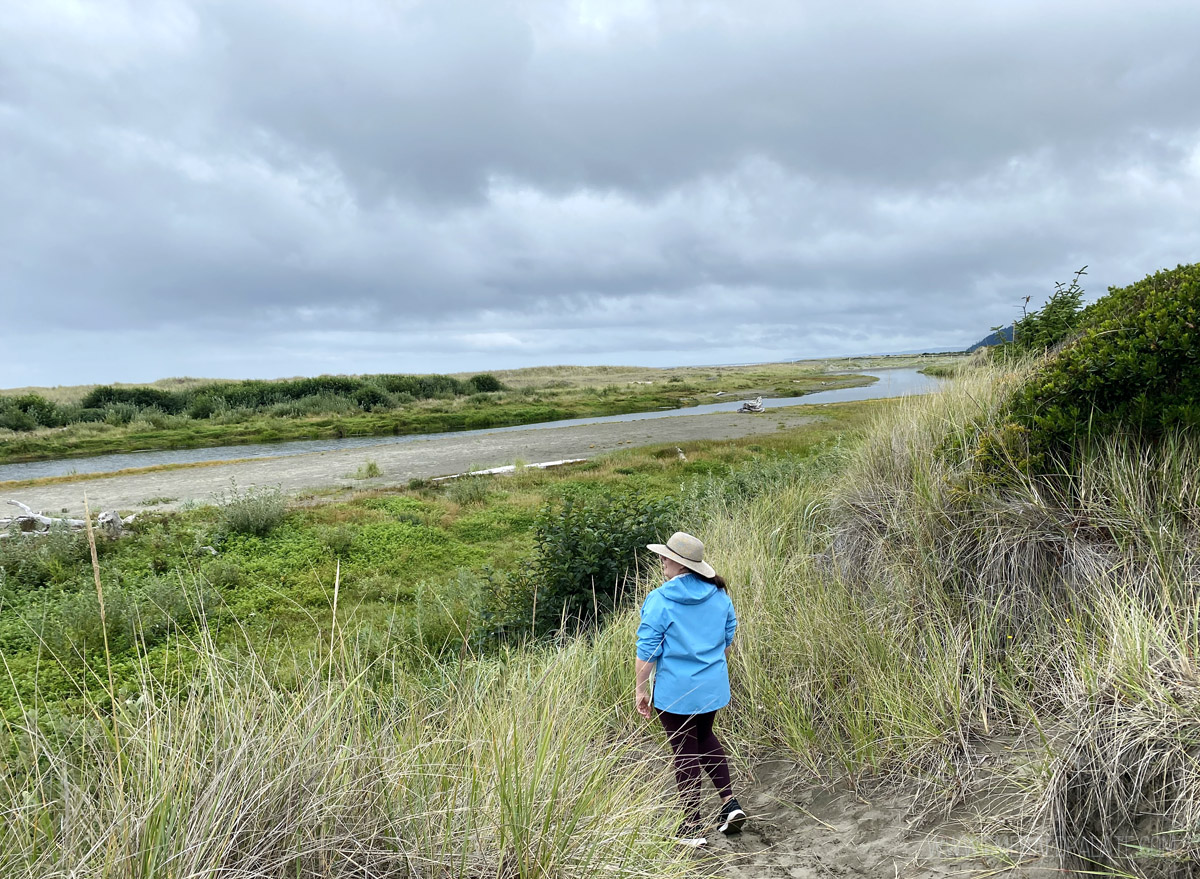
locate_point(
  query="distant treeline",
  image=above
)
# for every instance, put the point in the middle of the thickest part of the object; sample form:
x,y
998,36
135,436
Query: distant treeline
x,y
294,398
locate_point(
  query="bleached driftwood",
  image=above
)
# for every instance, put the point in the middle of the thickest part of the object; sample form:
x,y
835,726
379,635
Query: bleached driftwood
x,y
30,522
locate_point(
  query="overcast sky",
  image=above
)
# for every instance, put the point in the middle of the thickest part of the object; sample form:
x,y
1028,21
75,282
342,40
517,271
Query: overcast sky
x,y
237,188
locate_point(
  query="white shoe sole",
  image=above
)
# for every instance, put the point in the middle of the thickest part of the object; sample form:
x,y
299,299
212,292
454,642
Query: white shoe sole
x,y
733,822
695,842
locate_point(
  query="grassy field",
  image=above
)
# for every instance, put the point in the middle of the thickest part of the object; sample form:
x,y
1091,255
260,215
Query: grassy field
x,y
533,395
408,564
899,621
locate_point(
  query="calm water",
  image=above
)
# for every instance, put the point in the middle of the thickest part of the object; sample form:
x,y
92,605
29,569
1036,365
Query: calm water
x,y
891,383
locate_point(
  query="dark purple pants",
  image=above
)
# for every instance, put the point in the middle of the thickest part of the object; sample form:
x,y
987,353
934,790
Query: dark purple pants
x,y
695,746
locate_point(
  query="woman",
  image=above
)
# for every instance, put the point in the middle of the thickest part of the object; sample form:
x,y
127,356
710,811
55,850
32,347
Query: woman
x,y
684,639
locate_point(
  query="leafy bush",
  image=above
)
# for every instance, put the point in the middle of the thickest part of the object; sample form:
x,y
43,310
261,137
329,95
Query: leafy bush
x,y
446,614
235,401
1134,368
369,397
255,511
204,406
485,382
586,550
29,411
142,615
716,493
12,418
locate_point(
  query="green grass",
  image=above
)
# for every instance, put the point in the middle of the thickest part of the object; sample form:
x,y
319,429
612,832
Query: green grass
x,y
898,622
250,564
535,395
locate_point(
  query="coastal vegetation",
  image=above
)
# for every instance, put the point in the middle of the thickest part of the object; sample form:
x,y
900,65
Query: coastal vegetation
x,y
438,564
1131,369
918,608
44,423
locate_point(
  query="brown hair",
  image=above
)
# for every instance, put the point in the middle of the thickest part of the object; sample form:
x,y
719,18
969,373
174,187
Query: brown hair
x,y
716,579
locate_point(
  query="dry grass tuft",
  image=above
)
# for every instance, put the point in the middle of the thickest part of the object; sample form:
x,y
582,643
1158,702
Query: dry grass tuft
x,y
1125,795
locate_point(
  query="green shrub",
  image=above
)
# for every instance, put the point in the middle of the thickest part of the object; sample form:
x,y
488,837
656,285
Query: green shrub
x,y
447,614
29,411
12,418
586,552
1134,369
485,382
469,490
1052,324
139,398
141,615
34,562
713,493
254,511
223,574
339,539
119,414
204,406
368,470
370,398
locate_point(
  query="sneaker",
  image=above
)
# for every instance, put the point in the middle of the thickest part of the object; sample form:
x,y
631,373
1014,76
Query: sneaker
x,y
732,817
691,833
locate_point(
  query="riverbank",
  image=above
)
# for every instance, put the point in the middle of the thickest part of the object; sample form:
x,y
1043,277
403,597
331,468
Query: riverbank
x,y
531,396
335,472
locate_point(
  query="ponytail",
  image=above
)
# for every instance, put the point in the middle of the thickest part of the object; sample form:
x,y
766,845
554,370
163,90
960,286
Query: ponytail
x,y
716,580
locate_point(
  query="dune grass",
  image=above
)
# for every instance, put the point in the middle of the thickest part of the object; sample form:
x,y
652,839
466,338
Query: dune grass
x,y
896,616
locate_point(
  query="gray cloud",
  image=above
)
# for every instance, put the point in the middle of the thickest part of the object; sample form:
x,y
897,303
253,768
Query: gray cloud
x,y
269,188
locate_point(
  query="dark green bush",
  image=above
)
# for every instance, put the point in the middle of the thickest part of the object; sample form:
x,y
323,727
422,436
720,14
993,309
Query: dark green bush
x,y
292,398
118,414
140,398
485,382
15,419
586,552
203,406
370,397
29,411
1133,368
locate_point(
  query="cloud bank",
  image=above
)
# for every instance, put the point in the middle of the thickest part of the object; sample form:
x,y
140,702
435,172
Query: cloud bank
x,y
262,188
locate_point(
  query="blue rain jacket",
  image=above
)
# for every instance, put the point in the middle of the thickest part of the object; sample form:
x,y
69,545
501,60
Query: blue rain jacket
x,y
686,626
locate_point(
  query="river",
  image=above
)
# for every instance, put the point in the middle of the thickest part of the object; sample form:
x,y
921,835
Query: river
x,y
890,383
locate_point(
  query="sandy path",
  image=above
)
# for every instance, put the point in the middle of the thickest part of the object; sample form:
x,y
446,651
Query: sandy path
x,y
799,829
398,463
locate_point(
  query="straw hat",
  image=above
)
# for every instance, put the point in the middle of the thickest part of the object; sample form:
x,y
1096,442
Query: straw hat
x,y
686,550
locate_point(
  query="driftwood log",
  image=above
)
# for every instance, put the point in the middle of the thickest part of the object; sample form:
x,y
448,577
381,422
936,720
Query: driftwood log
x,y
29,522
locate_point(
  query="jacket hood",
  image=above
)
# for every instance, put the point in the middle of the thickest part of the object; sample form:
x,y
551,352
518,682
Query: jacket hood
x,y
687,589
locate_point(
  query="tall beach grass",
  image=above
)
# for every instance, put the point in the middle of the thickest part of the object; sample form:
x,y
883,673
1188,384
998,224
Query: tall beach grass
x,y
897,616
